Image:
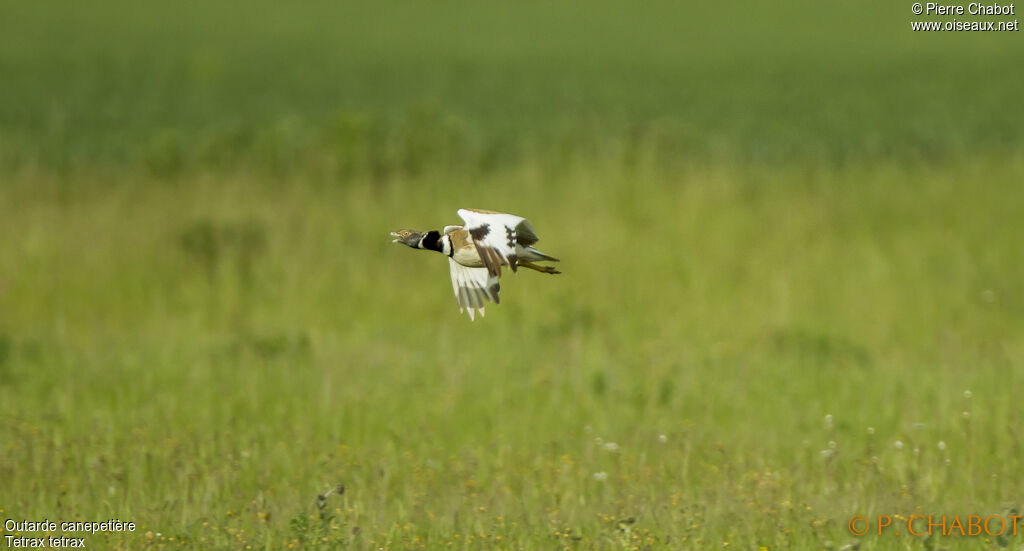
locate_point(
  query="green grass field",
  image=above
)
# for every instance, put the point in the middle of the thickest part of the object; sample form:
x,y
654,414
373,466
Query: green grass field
x,y
793,286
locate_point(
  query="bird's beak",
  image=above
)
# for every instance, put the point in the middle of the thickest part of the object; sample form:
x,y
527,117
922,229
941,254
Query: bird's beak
x,y
399,238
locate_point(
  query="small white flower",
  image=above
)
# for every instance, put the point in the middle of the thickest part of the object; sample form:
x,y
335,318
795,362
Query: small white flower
x,y
828,421
967,394
966,415
827,453
942,445
601,476
871,430
898,445
611,446
949,461
598,440
832,444
662,438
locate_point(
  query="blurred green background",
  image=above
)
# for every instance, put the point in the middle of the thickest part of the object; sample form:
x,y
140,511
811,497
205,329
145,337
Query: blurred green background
x,y
405,86
791,237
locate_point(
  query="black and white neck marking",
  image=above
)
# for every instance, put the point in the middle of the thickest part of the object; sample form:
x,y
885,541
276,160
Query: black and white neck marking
x,y
446,245
434,241
430,241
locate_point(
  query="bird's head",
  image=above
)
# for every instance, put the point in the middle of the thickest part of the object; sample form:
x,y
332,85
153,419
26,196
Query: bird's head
x,y
407,237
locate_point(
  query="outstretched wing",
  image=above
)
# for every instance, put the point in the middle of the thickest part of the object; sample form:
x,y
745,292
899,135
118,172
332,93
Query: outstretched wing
x,y
473,287
495,238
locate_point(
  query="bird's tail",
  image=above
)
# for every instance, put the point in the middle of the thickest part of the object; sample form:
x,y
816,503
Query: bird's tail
x,y
530,254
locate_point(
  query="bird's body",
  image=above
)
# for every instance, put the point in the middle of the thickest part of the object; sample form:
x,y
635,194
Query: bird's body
x,y
461,242
477,251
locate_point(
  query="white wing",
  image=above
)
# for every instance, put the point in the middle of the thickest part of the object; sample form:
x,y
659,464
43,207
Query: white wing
x,y
473,287
494,234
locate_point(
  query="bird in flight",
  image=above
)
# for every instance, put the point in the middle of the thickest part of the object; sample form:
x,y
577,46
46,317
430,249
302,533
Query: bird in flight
x,y
477,250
